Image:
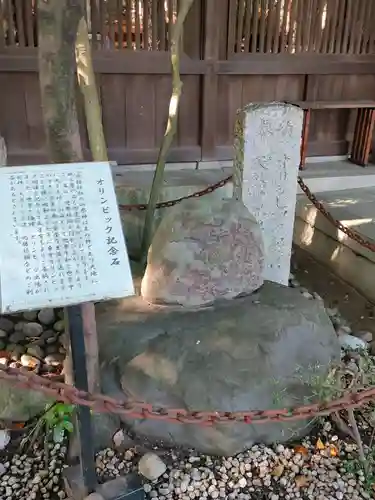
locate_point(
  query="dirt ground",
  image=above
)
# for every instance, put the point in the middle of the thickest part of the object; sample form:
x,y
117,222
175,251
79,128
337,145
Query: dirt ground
x,y
354,307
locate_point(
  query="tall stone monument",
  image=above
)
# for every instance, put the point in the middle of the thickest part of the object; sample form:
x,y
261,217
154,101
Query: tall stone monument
x,y
267,156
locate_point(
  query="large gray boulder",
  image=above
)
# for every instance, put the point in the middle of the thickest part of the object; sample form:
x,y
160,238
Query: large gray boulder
x,y
202,252
257,352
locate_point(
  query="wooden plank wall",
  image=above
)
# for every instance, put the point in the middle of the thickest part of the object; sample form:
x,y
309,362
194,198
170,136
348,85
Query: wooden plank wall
x,y
235,51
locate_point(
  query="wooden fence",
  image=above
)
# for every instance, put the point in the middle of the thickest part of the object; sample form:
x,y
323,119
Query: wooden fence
x,y
235,51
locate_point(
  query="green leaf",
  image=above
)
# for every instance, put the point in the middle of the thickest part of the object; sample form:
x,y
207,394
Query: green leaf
x,y
68,426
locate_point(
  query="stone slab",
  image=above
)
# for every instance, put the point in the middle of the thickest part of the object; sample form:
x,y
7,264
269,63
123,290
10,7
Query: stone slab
x,y
268,139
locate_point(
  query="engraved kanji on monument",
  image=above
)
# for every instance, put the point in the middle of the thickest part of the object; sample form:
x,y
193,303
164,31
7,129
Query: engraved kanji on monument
x,y
267,145
61,237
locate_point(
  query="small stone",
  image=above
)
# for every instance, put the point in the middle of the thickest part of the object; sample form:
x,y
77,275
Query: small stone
x,y
49,334
351,342
242,482
4,361
32,329
47,316
30,315
364,335
4,439
17,337
28,361
6,325
35,351
3,334
17,352
307,295
59,326
54,359
151,466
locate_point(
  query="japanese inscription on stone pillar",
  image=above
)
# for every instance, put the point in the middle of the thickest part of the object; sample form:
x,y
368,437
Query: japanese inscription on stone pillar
x,y
61,237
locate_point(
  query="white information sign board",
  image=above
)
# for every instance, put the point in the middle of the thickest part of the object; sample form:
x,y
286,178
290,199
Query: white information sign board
x,y
61,237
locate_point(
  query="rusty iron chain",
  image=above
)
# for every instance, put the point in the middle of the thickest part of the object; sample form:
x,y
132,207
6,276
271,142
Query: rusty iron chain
x,y
171,203
349,232
134,409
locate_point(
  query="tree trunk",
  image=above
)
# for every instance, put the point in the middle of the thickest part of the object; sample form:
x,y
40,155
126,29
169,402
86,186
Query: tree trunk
x,y
170,131
58,25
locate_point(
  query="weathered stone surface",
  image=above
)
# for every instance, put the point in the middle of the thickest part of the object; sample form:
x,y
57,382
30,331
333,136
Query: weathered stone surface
x,y
46,316
6,325
32,329
268,141
202,252
255,352
20,404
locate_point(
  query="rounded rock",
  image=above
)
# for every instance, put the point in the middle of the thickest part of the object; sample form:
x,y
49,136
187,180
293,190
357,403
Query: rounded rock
x,y
30,315
32,329
28,361
6,325
202,252
59,326
151,466
46,316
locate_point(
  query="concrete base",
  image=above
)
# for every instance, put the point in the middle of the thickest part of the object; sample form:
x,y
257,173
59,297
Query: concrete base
x,y
355,208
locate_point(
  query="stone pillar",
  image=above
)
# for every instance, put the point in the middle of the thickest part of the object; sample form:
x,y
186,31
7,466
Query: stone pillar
x,y
267,156
3,152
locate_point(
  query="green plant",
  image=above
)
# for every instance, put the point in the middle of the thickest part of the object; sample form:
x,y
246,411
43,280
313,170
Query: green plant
x,y
58,420
53,425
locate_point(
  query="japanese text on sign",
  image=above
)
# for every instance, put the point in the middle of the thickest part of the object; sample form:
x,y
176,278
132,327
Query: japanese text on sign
x,y
62,237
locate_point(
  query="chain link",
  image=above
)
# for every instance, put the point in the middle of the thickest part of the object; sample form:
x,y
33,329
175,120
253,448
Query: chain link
x,y
104,404
134,409
171,203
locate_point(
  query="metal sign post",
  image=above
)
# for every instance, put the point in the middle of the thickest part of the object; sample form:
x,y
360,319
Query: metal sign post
x,y
62,245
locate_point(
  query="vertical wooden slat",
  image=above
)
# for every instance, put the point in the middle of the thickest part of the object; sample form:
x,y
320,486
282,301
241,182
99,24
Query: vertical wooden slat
x,y
292,22
240,24
278,28
340,27
103,23
310,18
255,24
362,25
262,28
94,23
145,22
368,26
29,21
154,25
111,22
270,23
347,25
334,26
232,16
354,32
10,22
283,38
371,42
214,22
170,22
129,24
2,34
161,22
327,31
137,26
317,29
19,23
247,26
299,26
